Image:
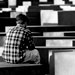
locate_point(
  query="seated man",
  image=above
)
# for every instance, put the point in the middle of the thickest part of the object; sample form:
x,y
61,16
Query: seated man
x,y
19,46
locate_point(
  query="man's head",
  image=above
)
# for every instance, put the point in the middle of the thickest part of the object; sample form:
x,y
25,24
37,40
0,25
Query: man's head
x,y
22,19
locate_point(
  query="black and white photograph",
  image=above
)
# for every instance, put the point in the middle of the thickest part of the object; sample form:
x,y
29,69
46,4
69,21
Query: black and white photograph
x,y
37,37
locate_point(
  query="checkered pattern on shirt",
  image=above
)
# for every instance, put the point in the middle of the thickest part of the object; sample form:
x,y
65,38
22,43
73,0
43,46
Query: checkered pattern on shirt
x,y
15,45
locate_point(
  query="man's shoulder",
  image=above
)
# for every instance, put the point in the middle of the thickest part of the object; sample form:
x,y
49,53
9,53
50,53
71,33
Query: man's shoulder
x,y
12,29
27,30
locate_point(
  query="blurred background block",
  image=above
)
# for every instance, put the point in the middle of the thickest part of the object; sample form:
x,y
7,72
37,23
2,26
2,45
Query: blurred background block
x,y
64,63
53,34
59,43
12,3
43,0
59,2
49,16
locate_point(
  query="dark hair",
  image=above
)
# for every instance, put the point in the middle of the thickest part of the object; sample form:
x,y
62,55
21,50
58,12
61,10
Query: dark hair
x,y
22,17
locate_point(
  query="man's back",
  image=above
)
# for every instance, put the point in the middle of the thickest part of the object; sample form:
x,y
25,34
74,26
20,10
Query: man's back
x,y
15,45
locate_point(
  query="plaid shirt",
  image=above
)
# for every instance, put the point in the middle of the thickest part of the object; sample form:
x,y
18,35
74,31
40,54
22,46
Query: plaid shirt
x,y
18,39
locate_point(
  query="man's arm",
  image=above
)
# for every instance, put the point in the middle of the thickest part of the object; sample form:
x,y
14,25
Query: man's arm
x,y
30,42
